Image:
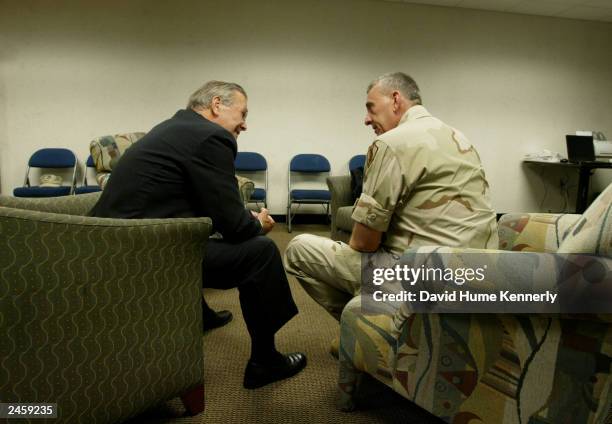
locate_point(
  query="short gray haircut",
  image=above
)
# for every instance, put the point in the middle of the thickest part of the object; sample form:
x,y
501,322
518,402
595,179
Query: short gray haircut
x,y
204,95
399,81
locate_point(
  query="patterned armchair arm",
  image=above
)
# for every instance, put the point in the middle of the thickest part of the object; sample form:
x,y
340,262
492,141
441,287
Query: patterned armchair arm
x,y
102,178
340,190
536,232
246,188
456,365
98,312
515,272
540,351
70,205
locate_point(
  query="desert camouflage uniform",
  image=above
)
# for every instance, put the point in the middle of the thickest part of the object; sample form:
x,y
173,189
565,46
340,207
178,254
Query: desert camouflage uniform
x,y
423,185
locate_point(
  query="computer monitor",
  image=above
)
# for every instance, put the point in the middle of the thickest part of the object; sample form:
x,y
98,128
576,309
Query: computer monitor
x,y
580,148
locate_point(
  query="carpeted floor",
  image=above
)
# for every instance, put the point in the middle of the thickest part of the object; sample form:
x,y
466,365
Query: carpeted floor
x,y
308,397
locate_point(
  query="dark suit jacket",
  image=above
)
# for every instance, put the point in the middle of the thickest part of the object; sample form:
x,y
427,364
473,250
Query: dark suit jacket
x,y
183,167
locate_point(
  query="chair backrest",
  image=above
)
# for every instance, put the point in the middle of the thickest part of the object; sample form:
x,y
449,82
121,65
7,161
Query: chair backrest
x,y
309,162
89,164
356,162
52,158
250,161
107,150
253,164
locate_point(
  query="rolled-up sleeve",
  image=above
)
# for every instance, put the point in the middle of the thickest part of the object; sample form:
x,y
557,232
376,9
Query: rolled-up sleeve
x,y
370,213
382,188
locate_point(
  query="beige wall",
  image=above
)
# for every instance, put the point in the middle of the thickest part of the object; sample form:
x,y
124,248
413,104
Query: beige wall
x,y
70,71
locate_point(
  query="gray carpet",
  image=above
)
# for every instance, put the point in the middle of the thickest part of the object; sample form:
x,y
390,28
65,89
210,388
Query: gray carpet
x,y
308,397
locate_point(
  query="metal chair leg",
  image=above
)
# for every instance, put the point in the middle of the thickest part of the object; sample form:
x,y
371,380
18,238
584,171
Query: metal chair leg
x,y
289,217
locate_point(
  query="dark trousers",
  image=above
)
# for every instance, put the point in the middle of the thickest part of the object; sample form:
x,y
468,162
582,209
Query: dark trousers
x,y
255,267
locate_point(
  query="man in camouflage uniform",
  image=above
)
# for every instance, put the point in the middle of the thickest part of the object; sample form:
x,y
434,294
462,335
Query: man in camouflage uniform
x,y
423,185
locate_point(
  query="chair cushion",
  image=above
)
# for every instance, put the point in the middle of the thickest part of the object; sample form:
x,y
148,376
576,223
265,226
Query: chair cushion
x,y
258,194
87,189
37,191
343,218
107,150
310,195
592,234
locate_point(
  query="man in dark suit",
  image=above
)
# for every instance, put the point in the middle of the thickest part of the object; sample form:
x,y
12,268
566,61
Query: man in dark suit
x,y
184,167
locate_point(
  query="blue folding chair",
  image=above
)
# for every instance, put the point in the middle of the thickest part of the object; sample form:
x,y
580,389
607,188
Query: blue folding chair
x,y
85,188
309,164
254,162
49,158
356,162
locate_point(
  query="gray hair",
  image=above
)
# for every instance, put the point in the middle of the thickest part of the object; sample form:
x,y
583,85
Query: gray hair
x,y
204,95
399,81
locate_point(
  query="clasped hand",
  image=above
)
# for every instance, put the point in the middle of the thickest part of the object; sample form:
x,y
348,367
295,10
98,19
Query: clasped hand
x,y
266,221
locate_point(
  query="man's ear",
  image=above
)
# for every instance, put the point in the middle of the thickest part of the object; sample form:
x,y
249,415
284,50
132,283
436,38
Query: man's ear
x,y
397,101
215,105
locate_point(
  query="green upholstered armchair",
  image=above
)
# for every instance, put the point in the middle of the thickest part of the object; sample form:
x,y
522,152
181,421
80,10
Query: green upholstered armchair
x,y
341,207
101,316
494,368
70,205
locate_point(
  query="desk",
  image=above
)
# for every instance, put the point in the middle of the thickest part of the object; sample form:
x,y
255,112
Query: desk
x,y
585,170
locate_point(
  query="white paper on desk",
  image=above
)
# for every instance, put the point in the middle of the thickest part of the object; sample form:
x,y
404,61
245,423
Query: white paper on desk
x,y
544,156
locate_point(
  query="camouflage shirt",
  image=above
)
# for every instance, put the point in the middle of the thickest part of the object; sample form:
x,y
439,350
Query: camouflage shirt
x,y
424,185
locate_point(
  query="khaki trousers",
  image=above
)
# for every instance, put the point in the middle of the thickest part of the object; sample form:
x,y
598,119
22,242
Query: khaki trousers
x,y
329,271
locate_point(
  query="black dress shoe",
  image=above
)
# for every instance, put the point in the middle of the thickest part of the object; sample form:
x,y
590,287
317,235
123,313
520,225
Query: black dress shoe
x,y
258,375
217,319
